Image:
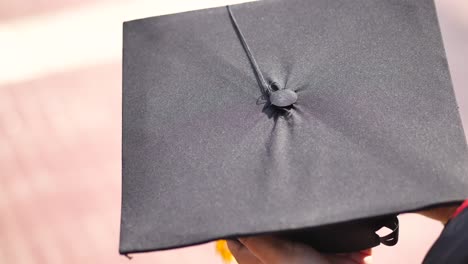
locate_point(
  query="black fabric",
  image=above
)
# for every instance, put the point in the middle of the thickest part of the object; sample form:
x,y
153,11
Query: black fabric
x,y
452,245
375,129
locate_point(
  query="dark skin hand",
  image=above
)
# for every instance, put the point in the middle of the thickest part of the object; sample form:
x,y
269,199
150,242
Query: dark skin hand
x,y
271,250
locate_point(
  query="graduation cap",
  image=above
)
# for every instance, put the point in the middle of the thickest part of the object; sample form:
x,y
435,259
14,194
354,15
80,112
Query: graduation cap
x,y
319,121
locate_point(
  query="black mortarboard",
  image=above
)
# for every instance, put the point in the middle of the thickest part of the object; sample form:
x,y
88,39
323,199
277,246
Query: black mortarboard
x,y
317,120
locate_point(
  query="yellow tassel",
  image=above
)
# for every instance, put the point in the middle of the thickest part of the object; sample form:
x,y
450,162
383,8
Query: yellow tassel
x,y
223,250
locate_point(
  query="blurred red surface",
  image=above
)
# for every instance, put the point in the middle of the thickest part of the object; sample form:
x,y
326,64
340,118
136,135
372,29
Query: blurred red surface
x,y
21,8
60,171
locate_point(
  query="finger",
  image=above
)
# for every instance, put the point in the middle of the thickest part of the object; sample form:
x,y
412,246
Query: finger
x,y
266,248
364,256
368,260
272,250
367,252
367,256
361,257
340,259
241,253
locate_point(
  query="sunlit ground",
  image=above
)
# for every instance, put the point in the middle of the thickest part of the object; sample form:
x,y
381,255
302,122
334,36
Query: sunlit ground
x,y
60,118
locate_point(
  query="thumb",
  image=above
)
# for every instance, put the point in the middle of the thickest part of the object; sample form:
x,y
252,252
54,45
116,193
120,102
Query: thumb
x,y
271,250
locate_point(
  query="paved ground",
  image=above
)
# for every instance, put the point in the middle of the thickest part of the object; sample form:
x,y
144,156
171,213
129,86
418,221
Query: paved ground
x,y
60,132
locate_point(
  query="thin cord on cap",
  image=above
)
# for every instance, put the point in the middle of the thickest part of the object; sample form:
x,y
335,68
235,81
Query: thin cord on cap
x,y
266,89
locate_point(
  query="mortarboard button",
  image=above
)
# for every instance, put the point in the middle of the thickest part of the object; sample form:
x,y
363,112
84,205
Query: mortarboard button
x,y
283,98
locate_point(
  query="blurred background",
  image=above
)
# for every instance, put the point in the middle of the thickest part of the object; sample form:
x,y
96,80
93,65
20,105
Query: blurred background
x,y
60,130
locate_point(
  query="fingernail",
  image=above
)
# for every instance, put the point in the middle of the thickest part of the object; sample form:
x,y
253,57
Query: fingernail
x,y
368,260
